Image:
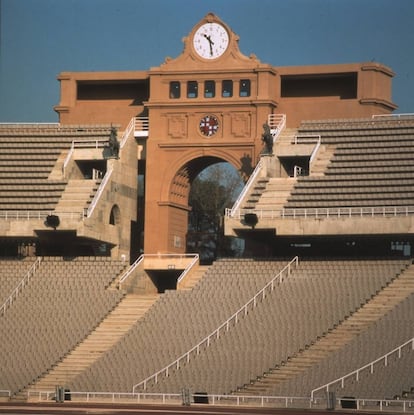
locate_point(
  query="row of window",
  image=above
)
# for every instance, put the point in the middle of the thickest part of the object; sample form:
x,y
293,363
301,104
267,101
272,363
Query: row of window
x,y
210,89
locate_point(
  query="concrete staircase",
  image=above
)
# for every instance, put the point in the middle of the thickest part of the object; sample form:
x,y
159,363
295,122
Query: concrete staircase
x,y
355,324
276,193
255,193
103,338
286,136
323,158
191,279
57,171
77,196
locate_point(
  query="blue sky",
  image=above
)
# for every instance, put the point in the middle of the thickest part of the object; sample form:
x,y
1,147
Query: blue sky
x,y
41,38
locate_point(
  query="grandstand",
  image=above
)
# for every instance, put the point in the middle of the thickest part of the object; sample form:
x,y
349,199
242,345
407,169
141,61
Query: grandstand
x,y
321,304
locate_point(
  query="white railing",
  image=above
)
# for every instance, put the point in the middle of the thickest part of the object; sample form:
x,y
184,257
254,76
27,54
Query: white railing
x,y
130,270
141,126
276,122
407,115
5,392
246,189
128,131
283,402
297,171
320,213
12,297
94,144
189,267
99,192
141,258
356,373
309,139
37,215
234,319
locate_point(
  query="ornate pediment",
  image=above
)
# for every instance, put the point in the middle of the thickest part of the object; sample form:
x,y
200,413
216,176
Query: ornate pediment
x,y
211,44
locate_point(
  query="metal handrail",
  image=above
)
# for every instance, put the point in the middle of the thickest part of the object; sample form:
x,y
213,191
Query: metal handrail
x,y
67,159
331,213
37,215
141,124
224,326
189,267
6,392
141,258
299,402
370,366
310,138
82,144
130,128
130,270
246,188
393,115
20,286
276,122
99,192
90,143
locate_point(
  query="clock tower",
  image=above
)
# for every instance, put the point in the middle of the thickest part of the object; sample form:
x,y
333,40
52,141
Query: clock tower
x,y
207,105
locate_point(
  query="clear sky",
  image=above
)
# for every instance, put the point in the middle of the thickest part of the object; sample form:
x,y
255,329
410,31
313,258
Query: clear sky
x,y
41,38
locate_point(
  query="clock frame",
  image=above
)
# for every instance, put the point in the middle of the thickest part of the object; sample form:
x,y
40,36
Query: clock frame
x,y
211,40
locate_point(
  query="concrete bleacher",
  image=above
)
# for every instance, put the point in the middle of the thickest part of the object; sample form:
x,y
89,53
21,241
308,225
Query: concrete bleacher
x,y
30,155
387,381
329,291
63,302
282,325
176,322
371,165
12,272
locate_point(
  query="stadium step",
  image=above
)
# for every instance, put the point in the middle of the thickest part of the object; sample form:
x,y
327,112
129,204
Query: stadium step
x,y
77,196
323,158
374,309
130,309
191,280
276,194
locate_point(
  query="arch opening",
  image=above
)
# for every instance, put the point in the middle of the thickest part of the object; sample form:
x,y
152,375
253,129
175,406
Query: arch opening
x,y
115,215
214,186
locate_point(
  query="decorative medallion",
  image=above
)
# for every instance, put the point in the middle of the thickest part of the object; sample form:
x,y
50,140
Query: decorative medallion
x,y
209,125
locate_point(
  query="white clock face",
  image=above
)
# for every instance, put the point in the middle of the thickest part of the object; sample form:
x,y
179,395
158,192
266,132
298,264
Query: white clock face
x,y
211,40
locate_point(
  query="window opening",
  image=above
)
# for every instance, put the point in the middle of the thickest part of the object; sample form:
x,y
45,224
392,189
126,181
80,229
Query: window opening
x,y
192,89
209,89
245,88
227,89
175,89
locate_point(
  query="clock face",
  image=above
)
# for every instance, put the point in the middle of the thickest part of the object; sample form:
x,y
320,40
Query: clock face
x,y
211,40
209,125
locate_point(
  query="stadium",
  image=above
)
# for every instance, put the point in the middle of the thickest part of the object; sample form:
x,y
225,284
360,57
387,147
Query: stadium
x,y
101,301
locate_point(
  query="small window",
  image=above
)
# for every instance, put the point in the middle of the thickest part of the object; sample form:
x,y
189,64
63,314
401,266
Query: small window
x,y
209,89
245,88
175,89
192,89
227,89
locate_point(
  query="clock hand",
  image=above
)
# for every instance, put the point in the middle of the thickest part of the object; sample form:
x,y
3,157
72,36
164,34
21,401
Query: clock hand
x,y
211,43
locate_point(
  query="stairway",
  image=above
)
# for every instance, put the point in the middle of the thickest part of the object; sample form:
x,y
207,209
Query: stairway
x,y
351,327
77,196
286,136
276,194
255,193
131,308
191,279
323,158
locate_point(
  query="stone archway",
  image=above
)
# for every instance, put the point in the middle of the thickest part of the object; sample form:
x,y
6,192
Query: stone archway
x,y
167,217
